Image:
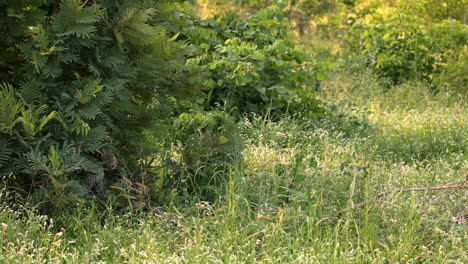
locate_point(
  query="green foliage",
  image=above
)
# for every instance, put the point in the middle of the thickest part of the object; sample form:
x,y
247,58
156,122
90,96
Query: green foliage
x,y
85,87
10,107
89,77
247,66
295,171
301,14
207,144
405,46
438,10
83,81
254,65
81,77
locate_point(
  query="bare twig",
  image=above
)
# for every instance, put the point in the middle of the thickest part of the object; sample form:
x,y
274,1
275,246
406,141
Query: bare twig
x,y
398,190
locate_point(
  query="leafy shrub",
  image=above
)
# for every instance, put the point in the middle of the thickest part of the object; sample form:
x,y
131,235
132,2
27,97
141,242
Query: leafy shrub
x,y
301,14
83,77
253,65
438,10
404,46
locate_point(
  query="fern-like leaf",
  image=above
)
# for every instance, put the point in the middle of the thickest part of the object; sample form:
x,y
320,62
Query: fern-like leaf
x,y
80,127
76,19
5,152
30,91
10,107
97,137
86,89
133,26
88,15
76,189
90,111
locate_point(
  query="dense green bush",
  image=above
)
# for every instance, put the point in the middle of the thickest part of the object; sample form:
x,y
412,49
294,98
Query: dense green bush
x,y
302,14
253,65
405,45
79,82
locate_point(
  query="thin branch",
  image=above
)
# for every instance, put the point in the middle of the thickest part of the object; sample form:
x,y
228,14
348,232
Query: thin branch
x,y
398,190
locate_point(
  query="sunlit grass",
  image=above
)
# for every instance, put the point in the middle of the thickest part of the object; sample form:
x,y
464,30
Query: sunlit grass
x,y
295,172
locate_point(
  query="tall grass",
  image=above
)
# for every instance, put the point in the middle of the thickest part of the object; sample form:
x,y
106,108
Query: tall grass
x,y
295,172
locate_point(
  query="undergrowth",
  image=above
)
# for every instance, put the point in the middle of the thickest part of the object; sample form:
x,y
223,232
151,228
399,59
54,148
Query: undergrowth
x,y
294,172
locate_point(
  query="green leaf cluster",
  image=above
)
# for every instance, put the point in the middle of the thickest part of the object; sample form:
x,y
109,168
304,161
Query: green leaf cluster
x,y
253,65
405,44
302,14
79,79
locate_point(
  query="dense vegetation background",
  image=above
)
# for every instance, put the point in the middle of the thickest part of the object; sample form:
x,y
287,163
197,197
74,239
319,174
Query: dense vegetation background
x,y
153,131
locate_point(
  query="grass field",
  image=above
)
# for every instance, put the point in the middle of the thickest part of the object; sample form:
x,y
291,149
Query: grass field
x,y
296,172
